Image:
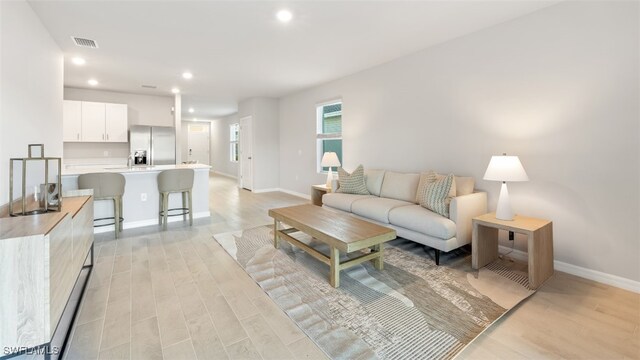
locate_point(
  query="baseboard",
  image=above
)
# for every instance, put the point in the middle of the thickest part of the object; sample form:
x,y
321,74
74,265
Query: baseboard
x,y
259,191
582,272
148,222
294,193
224,174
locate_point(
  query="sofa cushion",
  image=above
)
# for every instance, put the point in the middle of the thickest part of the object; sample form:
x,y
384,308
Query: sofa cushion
x,y
352,183
464,185
374,178
341,201
437,195
419,219
377,208
400,186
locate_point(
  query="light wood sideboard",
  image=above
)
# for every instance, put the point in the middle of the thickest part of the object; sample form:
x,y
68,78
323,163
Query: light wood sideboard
x,y
41,258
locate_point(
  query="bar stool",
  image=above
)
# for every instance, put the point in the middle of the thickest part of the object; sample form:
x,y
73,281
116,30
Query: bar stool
x,y
175,181
106,186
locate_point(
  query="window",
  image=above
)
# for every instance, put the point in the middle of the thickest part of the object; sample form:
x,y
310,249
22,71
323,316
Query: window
x,y
329,134
234,137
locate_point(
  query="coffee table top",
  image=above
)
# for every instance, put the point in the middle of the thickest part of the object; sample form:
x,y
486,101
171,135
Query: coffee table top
x,y
341,230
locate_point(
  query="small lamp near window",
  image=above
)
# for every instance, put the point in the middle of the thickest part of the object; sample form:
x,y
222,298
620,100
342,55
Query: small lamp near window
x,y
505,168
330,159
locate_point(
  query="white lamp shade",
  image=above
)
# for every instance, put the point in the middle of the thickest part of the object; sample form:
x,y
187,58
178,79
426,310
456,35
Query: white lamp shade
x,y
330,159
505,168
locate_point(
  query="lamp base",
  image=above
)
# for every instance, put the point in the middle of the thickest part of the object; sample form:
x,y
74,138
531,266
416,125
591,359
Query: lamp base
x,y
329,178
504,212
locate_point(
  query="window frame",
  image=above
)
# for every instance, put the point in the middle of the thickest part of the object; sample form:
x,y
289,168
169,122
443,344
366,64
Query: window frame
x,y
234,143
320,136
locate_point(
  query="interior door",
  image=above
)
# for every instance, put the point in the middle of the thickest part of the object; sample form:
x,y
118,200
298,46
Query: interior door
x,y
198,142
93,117
246,153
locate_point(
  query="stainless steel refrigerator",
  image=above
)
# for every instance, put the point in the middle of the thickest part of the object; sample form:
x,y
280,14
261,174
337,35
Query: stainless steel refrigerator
x,y
152,145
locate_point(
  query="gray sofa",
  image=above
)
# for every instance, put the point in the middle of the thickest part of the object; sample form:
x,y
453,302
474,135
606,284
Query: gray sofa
x,y
392,203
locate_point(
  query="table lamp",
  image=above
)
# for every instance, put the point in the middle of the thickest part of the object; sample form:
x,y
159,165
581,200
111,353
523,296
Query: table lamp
x,y
330,159
505,168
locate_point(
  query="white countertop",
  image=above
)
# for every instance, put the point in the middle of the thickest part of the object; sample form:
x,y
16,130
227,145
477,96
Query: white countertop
x,y
78,169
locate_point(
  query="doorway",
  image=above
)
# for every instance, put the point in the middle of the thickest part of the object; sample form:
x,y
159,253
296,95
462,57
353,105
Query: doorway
x,y
198,145
246,153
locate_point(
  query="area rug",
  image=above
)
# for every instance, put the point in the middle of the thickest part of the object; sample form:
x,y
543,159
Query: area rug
x,y
412,309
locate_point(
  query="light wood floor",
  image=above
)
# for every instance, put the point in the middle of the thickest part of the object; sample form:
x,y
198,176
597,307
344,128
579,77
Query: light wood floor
x,y
176,295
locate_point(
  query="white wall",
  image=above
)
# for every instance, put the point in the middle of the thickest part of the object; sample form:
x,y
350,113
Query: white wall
x,y
142,110
220,150
559,88
266,134
31,82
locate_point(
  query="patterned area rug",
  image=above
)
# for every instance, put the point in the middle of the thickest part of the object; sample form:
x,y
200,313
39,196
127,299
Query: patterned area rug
x,y
412,309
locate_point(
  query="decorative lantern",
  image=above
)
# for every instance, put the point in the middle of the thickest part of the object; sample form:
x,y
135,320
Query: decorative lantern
x,y
36,197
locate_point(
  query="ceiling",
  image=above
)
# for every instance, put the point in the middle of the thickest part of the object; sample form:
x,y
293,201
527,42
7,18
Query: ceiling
x,y
238,49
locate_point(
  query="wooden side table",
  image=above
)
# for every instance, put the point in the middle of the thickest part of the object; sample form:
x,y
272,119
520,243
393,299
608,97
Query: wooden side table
x,y
316,193
539,243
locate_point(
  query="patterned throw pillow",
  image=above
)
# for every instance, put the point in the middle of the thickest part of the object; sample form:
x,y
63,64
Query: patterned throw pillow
x,y
425,178
453,190
352,183
436,195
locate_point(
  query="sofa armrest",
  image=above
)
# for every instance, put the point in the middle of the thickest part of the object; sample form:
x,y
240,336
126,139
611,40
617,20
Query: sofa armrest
x,y
464,208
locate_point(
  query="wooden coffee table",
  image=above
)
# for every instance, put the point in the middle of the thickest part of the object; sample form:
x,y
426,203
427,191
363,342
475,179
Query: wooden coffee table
x,y
342,232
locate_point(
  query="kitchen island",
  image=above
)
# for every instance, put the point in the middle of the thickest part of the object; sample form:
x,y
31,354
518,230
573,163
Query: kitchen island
x,y
141,197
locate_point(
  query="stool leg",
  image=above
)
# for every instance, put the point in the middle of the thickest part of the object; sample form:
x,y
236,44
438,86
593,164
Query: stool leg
x,y
116,215
190,208
121,213
184,205
165,209
160,196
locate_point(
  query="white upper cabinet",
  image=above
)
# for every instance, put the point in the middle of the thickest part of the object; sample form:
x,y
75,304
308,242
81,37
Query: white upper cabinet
x,y
93,120
116,124
85,121
71,121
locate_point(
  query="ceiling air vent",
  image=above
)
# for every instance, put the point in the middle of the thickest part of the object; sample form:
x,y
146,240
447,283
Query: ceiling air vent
x,y
82,42
149,86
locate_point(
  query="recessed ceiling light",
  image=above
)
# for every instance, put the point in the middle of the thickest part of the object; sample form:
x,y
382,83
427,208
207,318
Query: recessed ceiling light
x,y
187,75
78,61
191,110
175,91
92,82
284,15
194,119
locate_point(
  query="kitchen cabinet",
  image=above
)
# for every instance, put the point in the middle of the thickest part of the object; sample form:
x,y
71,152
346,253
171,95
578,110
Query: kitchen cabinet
x,y
93,118
86,121
116,124
72,121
